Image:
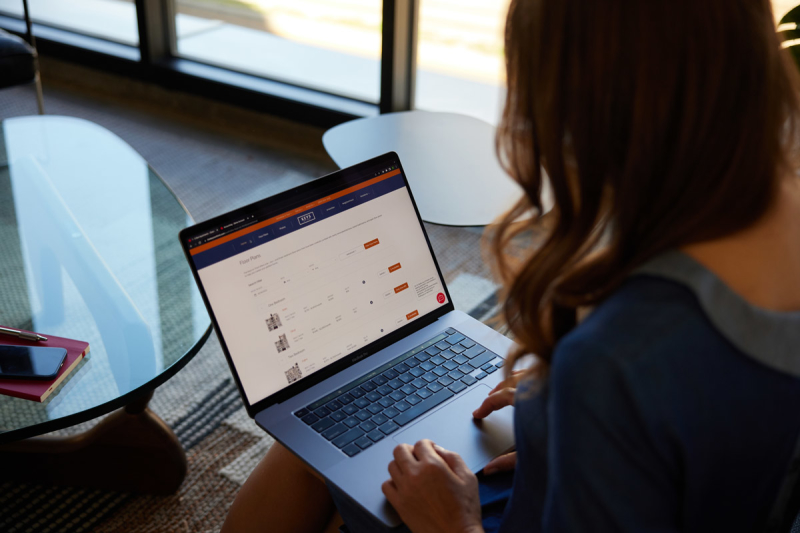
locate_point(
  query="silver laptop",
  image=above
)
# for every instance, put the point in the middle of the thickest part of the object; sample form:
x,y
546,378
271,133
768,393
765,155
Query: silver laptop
x,y
340,332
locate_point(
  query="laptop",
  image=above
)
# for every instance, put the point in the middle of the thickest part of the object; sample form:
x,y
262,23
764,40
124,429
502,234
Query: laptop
x,y
340,332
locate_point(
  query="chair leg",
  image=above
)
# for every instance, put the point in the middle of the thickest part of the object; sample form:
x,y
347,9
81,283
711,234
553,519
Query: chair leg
x,y
39,95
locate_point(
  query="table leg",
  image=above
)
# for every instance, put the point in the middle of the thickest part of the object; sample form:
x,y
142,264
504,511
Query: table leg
x,y
131,450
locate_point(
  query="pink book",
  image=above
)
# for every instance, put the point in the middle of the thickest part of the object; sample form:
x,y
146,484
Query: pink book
x,y
38,390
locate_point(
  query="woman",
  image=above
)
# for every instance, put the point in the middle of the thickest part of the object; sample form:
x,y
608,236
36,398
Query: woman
x,y
667,130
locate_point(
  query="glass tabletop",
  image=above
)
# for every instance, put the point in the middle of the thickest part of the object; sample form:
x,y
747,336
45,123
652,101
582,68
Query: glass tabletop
x,y
89,250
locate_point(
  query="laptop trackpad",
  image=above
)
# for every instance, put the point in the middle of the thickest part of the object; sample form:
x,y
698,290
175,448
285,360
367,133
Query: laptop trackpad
x,y
453,428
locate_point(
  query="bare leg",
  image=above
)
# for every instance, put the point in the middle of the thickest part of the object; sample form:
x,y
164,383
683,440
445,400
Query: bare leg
x,y
282,495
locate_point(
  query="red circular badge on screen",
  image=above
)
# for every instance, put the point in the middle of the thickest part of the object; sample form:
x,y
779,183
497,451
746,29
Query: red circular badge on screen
x,y
440,297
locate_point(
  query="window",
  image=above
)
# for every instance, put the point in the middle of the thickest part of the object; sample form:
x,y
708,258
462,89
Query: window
x,y
460,66
329,45
113,20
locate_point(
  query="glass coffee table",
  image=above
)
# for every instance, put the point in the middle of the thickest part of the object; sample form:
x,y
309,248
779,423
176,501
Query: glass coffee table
x,y
89,250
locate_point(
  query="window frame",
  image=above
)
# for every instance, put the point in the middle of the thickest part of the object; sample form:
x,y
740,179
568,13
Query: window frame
x,y
155,60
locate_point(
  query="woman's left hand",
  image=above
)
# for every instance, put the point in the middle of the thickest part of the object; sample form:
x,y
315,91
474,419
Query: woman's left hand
x,y
433,490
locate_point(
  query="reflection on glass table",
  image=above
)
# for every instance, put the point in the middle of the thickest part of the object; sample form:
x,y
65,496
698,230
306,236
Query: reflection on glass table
x,y
89,250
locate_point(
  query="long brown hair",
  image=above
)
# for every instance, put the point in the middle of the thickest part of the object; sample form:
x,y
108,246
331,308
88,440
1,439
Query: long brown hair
x,y
659,123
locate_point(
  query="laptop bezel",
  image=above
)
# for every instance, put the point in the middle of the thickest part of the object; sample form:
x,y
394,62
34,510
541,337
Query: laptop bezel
x,y
284,199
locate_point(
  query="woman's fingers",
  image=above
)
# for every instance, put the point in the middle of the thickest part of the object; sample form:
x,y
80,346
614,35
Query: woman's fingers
x,y
510,382
504,463
493,402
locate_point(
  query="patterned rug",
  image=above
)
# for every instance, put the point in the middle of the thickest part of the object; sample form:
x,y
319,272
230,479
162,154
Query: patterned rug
x,y
201,403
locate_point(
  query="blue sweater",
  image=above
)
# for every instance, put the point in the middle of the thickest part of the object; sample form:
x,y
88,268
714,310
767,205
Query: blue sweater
x,y
672,407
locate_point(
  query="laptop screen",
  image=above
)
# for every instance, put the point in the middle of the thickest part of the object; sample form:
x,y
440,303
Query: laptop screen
x,y
293,291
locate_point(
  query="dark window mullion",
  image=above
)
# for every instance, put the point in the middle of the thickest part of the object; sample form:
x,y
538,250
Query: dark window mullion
x,y
157,34
399,55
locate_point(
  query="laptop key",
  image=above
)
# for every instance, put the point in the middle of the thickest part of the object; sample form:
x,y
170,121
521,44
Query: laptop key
x,y
438,360
363,442
373,396
369,386
467,343
380,419
345,398
357,392
346,438
301,413
447,354
386,402
334,431
413,399
391,412
461,359
469,380
450,365
487,366
351,450
363,415
368,426
395,383
375,408
384,390
412,362
457,387
457,348
406,378
337,416
424,393
474,351
427,366
401,368
310,418
351,422
390,374
500,364
375,435
322,425
402,406
444,381
350,409
435,387
333,405
433,351
455,375
361,403
417,372
430,376
389,427
424,406
481,375
466,368
407,389
450,331
380,380
455,338
397,395
418,383
442,345
491,369
440,371
322,412
482,359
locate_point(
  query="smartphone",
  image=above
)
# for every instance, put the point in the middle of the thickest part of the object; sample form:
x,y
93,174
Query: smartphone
x,y
30,362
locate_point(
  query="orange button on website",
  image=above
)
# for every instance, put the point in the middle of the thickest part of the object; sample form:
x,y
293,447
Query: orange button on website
x,y
394,267
412,314
402,287
370,244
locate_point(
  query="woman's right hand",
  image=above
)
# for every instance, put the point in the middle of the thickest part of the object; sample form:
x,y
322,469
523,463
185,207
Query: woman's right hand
x,y
501,396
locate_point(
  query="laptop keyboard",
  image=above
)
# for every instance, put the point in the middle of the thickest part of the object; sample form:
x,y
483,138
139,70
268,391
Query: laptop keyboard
x,y
379,403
